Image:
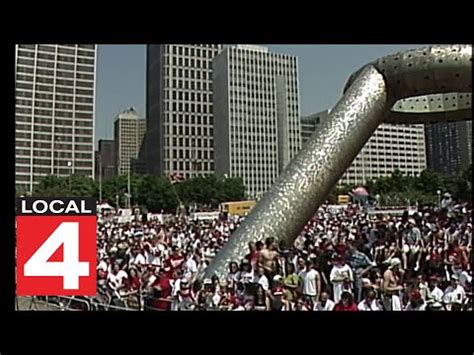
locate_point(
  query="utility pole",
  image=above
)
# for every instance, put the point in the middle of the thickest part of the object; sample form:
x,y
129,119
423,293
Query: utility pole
x,y
129,195
100,178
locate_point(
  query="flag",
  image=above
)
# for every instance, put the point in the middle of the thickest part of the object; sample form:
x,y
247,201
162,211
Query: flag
x,y
176,178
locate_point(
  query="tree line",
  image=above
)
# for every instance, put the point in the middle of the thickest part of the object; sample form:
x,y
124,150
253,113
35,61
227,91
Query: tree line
x,y
151,192
422,189
158,193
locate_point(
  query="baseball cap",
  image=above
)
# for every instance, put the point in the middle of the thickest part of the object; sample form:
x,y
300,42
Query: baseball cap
x,y
277,278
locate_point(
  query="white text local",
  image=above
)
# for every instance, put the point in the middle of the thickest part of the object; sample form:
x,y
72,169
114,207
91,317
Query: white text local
x,y
55,206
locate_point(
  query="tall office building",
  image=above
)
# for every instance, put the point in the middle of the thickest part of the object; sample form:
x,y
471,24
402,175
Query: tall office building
x,y
105,163
129,132
449,146
179,98
54,112
391,147
256,111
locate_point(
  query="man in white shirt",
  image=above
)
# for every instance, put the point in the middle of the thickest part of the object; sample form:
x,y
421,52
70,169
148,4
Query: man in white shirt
x,y
435,294
454,295
311,283
190,268
137,259
341,278
261,279
325,304
369,303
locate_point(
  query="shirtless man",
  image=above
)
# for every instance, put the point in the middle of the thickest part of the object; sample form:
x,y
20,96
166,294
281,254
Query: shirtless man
x,y
391,286
268,258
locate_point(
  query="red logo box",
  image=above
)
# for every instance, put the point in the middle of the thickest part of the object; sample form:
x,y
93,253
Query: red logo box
x,y
56,247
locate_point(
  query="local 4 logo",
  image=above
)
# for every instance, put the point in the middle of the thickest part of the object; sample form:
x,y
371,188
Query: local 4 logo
x,y
56,247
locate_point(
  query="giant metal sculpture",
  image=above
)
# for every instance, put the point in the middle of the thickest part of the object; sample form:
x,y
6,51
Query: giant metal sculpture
x,y
373,95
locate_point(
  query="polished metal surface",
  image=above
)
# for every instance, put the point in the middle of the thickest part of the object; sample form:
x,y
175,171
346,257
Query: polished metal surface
x,y
284,210
379,92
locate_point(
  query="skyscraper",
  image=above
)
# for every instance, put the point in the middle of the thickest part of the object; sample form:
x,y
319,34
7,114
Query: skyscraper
x,y
449,146
54,112
129,131
106,159
256,115
179,99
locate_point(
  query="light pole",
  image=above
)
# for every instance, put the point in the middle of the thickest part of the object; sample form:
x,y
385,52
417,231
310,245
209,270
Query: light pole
x,y
439,198
100,178
56,155
69,164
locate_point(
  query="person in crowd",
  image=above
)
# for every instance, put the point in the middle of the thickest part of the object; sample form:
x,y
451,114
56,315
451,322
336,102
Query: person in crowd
x,y
454,295
369,303
392,286
346,303
341,277
389,255
291,283
416,303
325,304
311,282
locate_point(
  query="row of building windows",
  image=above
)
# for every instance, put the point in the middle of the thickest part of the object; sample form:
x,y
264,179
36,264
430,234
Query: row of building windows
x,y
188,84
206,51
50,80
189,74
196,142
45,52
190,119
50,88
189,96
186,165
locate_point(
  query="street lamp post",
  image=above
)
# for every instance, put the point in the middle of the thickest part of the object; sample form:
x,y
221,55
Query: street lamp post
x,y
439,198
100,178
69,164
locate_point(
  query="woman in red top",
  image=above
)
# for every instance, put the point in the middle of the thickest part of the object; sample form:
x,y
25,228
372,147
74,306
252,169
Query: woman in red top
x,y
346,303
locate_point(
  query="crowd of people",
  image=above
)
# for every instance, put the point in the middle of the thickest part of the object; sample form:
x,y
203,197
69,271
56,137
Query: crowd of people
x,y
344,260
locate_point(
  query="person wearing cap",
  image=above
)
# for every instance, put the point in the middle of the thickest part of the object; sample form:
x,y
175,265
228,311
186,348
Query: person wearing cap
x,y
276,301
416,302
341,277
391,286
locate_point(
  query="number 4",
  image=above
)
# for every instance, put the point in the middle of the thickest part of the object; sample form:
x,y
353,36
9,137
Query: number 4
x,y
71,268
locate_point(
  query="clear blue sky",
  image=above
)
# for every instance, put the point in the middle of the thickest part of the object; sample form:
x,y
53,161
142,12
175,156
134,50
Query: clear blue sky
x,y
323,71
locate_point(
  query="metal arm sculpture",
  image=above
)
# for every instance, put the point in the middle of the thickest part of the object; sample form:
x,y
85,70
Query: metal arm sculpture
x,y
373,95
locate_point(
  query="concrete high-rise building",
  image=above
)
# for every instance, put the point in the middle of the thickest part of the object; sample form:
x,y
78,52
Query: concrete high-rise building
x,y
129,132
449,146
179,95
256,115
309,124
391,147
54,111
106,159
